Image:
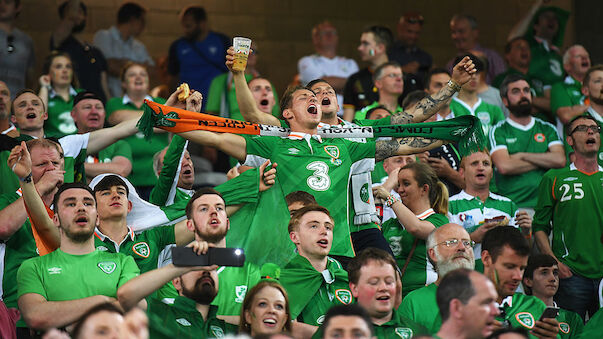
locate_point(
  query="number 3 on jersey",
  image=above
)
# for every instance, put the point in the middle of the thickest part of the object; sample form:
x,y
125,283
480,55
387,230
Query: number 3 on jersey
x,y
567,195
319,181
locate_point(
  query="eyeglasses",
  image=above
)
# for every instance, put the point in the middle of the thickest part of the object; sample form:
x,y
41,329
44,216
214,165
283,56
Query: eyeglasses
x,y
455,242
10,47
585,128
392,75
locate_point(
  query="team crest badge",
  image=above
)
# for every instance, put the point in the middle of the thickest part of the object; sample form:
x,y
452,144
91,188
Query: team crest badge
x,y
183,322
344,296
333,152
484,117
107,266
142,249
525,319
217,332
240,292
404,332
564,327
539,137
364,193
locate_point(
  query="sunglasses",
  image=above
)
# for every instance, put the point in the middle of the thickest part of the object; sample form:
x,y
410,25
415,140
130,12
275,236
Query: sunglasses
x,y
585,128
10,47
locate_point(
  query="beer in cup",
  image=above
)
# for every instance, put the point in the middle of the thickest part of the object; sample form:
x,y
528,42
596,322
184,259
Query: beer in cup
x,y
241,47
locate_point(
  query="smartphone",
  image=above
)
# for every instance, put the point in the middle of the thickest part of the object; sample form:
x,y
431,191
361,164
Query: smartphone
x,y
184,256
550,312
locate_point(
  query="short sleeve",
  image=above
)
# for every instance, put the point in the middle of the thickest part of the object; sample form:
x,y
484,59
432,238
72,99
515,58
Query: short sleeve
x,y
73,144
123,149
559,97
543,212
112,105
129,270
497,139
551,135
259,147
29,280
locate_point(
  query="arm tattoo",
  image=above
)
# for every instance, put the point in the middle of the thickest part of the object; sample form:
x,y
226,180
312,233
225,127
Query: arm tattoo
x,y
402,118
388,148
430,105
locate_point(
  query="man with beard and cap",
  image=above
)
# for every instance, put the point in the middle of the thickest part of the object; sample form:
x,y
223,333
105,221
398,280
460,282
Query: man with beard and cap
x,y
449,247
55,290
189,315
477,208
88,61
523,148
570,206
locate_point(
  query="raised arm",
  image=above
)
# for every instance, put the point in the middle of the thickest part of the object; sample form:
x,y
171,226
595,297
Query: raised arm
x,y
14,215
104,137
140,287
522,26
415,226
428,106
404,146
247,105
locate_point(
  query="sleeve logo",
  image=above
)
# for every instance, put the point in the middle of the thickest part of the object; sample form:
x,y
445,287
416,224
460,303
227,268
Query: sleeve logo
x,y
344,296
539,137
564,327
142,249
525,319
107,266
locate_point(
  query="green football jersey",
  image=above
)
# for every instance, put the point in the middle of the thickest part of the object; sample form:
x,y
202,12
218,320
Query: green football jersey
x,y
74,150
470,212
10,181
488,114
182,320
546,64
399,327
593,327
599,119
142,150
312,293
118,149
18,248
420,271
536,137
234,283
60,122
145,247
522,310
573,201
60,276
571,324
421,307
566,93
320,167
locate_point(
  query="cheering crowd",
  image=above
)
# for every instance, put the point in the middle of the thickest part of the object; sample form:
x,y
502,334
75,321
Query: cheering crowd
x,y
400,200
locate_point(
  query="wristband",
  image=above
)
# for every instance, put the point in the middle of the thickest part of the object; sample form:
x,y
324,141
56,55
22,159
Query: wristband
x,y
454,85
48,87
27,179
391,199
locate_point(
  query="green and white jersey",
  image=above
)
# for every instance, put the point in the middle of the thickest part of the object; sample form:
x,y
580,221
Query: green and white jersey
x,y
420,271
319,167
60,122
522,310
488,114
421,307
546,63
74,149
593,327
566,93
469,211
570,204
399,327
361,114
536,137
142,150
234,282
13,252
571,324
59,276
181,319
148,248
160,194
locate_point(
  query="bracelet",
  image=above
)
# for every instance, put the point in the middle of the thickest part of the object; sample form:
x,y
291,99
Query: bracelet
x,y
27,179
454,85
391,199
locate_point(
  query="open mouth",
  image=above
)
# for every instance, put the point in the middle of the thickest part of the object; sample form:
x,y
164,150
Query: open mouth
x,y
323,243
480,175
31,115
82,220
326,102
264,102
214,221
270,322
384,298
312,109
591,141
187,172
